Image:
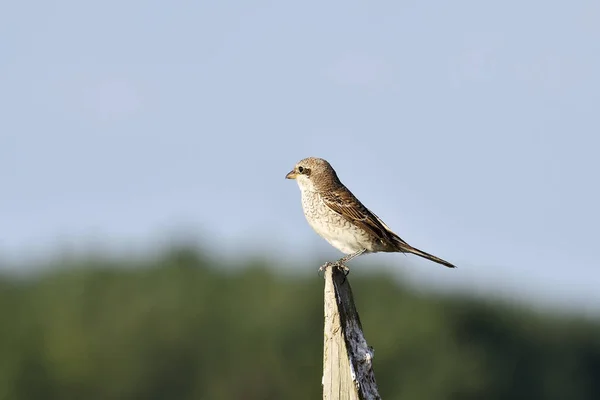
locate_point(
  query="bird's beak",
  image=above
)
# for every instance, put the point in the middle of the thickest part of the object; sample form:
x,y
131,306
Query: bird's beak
x,y
291,175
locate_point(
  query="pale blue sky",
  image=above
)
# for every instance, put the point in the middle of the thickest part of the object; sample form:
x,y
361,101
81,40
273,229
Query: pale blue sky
x,y
472,128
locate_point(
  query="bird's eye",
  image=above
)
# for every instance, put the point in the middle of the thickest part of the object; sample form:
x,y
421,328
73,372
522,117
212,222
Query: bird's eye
x,y
301,169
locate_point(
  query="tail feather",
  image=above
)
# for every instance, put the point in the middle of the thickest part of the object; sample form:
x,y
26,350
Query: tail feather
x,y
406,248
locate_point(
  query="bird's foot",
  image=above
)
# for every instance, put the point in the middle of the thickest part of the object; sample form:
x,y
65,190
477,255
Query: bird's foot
x,y
327,265
336,264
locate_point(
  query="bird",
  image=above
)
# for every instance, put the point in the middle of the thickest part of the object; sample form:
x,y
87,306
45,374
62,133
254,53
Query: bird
x,y
341,219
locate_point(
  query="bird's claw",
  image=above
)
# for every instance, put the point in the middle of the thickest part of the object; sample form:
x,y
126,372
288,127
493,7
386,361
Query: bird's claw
x,y
325,266
335,264
328,264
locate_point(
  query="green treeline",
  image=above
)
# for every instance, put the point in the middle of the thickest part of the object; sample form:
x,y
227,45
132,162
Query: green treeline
x,y
182,327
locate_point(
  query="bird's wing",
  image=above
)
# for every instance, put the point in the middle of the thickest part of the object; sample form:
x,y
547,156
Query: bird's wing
x,y
345,204
348,206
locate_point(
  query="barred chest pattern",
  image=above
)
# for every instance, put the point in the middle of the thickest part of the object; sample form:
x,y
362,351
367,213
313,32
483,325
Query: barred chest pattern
x,y
331,226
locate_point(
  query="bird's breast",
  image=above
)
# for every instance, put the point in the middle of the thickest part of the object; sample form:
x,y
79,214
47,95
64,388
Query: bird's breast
x,y
331,226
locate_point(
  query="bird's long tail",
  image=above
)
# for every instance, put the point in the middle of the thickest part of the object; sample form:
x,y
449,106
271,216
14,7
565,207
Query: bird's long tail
x,y
406,248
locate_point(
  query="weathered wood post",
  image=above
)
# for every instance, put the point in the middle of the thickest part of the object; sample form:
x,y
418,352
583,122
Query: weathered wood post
x,y
347,359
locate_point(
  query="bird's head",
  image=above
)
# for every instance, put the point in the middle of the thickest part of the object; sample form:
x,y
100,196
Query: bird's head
x,y
314,174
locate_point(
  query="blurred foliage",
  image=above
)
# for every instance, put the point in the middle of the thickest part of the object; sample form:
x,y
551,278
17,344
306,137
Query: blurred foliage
x,y
179,327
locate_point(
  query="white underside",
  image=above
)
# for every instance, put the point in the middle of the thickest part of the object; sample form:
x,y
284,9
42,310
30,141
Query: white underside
x,y
340,233
343,239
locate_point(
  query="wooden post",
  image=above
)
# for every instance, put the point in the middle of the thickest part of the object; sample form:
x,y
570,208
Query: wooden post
x,y
347,359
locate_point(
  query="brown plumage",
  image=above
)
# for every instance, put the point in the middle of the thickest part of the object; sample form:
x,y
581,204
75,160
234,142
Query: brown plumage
x,y
341,219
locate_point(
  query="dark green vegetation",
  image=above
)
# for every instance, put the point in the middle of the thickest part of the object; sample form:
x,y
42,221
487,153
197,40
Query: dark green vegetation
x,y
177,328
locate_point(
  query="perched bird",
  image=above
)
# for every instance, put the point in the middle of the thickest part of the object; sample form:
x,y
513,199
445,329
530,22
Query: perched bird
x,y
341,219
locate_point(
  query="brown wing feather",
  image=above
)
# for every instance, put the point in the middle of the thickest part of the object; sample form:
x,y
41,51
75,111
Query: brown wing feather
x,y
344,203
348,206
